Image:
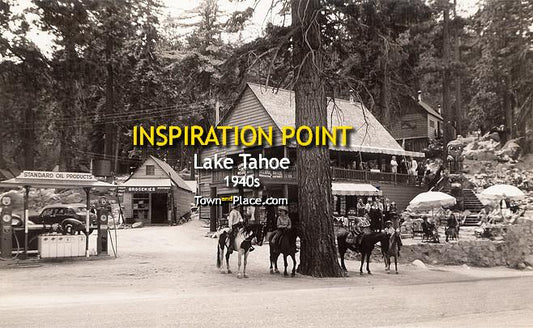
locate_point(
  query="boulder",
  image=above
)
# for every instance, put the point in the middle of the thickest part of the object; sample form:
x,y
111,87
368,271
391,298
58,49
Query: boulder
x,y
511,150
494,136
137,225
419,264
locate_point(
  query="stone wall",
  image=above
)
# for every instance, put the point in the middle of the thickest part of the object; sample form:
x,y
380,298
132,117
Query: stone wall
x,y
512,251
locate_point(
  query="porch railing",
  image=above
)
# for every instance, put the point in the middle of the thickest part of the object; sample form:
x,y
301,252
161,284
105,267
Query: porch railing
x,y
337,173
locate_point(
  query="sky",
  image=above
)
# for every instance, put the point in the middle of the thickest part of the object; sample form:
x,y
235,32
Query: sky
x,y
175,8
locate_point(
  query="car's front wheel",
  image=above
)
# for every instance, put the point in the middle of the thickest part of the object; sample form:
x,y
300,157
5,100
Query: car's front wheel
x,y
71,226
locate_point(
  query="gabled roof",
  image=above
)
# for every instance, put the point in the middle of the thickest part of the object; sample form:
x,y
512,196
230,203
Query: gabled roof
x,y
173,175
368,135
427,108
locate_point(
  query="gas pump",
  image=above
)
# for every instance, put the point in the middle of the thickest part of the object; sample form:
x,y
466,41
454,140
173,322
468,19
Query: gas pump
x,y
7,231
102,213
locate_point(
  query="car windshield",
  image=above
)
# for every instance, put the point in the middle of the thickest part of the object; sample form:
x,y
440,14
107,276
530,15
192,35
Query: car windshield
x,y
80,209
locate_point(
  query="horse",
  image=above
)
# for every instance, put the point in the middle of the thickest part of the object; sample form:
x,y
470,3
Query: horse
x,y
391,248
286,245
242,244
366,248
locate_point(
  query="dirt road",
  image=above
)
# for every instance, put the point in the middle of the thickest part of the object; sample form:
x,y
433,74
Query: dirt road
x,y
166,277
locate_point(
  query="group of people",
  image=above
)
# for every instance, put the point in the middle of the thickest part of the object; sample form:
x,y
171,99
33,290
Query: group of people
x,y
374,211
374,216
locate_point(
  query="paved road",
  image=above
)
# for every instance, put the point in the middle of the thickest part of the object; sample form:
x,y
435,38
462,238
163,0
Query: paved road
x,y
165,277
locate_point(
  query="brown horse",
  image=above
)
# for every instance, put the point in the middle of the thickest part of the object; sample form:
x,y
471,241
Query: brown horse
x,y
286,245
367,246
391,248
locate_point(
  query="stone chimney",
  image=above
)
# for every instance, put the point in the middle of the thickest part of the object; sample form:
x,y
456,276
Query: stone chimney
x,y
439,109
352,97
419,95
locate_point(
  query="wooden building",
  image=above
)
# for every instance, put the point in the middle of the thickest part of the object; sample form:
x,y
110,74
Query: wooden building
x,y
155,193
418,124
364,161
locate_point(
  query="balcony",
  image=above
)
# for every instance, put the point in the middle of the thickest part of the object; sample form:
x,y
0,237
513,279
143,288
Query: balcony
x,y
338,174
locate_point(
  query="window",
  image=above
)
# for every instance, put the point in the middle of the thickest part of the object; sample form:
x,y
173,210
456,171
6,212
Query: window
x,y
150,170
432,123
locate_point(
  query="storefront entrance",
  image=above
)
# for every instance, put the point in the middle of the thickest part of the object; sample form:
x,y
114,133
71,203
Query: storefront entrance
x,y
159,208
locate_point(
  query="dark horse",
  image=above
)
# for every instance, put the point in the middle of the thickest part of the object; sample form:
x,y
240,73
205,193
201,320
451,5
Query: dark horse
x,y
286,245
391,248
366,248
243,243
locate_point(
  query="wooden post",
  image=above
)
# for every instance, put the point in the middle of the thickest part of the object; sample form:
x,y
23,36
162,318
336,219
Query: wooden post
x,y
26,195
87,219
213,212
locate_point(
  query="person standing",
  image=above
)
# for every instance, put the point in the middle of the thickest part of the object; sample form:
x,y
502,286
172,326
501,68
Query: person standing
x,y
394,165
360,208
451,223
375,217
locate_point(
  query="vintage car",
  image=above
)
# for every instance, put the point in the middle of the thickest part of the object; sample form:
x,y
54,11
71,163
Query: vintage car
x,y
70,218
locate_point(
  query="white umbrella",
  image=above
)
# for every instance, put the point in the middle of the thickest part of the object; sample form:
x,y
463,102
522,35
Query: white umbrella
x,y
431,200
500,191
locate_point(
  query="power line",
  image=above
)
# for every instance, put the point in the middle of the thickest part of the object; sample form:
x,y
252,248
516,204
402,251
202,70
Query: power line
x,y
81,124
113,116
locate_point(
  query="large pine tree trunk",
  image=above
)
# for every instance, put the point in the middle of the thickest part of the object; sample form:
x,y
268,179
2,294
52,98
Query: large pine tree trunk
x,y
318,254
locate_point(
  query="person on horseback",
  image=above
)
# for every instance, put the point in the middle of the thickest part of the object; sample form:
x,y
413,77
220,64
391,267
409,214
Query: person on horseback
x,y
235,222
364,227
283,224
389,229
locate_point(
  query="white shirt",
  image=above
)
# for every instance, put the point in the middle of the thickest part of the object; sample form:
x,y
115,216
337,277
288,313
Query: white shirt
x,y
234,217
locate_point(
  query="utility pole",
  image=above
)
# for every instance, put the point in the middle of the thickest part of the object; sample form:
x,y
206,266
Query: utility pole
x,y
459,114
447,113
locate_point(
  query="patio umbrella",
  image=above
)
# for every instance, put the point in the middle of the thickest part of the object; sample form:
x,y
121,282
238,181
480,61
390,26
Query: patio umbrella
x,y
500,191
432,199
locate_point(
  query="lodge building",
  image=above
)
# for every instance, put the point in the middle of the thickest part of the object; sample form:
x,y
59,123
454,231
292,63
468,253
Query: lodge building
x,y
360,169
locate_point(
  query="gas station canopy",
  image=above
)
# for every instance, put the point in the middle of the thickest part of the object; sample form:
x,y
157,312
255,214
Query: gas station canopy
x,y
45,179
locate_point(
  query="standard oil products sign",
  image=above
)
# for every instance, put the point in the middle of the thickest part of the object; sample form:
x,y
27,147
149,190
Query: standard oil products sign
x,y
44,175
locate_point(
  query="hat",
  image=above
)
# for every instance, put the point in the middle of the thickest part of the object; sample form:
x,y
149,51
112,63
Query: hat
x,y
283,208
235,205
388,222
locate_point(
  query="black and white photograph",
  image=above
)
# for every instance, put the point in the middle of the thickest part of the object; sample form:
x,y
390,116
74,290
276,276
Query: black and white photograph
x,y
266,163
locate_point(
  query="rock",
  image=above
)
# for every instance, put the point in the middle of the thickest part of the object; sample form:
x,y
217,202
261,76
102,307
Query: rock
x,y
137,225
494,136
510,150
521,266
529,260
419,264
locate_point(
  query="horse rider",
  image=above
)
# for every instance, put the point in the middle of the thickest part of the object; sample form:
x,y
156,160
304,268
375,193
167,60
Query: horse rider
x,y
364,229
235,222
283,224
390,230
